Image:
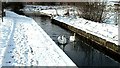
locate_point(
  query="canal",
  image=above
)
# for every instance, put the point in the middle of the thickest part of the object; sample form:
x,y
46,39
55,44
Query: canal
x,y
80,53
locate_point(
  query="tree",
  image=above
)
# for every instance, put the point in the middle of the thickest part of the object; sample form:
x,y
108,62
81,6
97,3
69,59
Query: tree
x,y
92,10
14,6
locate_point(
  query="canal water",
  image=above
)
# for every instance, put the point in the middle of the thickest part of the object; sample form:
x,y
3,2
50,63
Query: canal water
x,y
80,53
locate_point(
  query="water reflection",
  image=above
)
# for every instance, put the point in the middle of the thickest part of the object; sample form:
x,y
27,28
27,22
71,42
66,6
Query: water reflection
x,y
81,53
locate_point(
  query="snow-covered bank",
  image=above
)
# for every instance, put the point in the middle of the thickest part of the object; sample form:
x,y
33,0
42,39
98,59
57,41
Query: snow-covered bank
x,y
50,10
106,31
25,44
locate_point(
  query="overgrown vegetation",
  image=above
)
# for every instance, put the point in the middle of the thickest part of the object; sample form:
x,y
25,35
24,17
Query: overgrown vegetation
x,y
94,11
97,11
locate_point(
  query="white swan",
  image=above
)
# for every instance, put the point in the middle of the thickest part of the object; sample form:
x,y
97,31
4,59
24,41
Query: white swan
x,y
72,38
62,40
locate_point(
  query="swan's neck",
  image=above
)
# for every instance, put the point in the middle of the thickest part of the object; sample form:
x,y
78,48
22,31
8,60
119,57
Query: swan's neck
x,y
62,37
74,34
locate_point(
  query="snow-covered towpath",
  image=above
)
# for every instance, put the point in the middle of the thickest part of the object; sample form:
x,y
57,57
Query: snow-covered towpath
x,y
24,43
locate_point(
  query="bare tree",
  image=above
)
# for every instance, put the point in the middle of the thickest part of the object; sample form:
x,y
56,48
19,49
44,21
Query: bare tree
x,y
92,10
14,6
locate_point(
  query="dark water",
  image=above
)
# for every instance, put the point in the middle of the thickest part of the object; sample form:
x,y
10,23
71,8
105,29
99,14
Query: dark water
x,y
81,53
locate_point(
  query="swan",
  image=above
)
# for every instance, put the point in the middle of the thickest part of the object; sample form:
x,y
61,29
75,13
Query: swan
x,y
72,38
62,40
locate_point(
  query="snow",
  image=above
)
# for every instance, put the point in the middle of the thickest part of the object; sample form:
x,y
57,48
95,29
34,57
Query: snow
x,y
24,43
50,10
53,12
5,33
102,30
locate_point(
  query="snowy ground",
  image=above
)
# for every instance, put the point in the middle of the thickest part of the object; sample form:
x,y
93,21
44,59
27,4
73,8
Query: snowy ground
x,y
24,43
103,30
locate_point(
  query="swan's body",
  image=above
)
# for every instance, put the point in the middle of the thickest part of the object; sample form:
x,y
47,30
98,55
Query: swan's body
x,y
62,40
72,38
